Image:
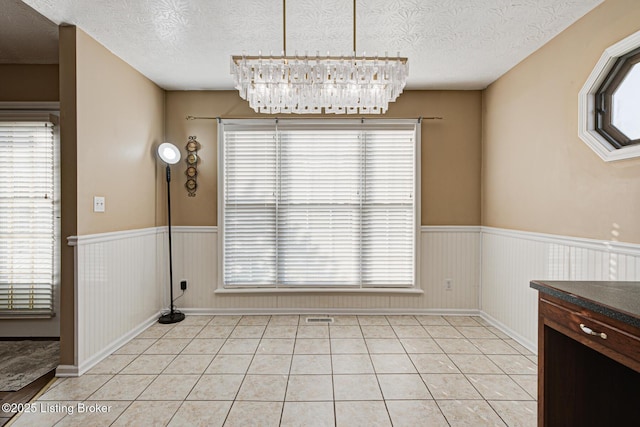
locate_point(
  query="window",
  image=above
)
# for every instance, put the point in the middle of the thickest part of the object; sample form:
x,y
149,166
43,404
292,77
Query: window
x,y
27,218
618,102
318,203
609,103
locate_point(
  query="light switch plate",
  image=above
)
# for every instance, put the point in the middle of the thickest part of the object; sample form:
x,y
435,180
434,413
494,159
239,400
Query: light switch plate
x,y
98,204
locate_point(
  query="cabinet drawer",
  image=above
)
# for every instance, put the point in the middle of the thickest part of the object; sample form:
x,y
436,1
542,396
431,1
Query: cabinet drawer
x,y
597,332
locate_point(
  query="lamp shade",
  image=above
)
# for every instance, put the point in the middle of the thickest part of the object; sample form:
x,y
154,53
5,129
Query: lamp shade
x,y
169,153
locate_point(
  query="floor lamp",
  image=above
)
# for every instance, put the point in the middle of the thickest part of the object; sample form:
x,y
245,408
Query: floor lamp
x,y
170,155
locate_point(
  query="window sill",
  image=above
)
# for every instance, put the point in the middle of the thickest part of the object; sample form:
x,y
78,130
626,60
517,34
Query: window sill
x,y
325,291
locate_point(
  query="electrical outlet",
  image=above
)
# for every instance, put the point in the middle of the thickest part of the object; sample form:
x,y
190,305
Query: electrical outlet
x,y
448,284
183,285
98,204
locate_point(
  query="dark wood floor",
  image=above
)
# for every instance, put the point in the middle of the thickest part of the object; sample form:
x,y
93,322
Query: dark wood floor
x,y
24,395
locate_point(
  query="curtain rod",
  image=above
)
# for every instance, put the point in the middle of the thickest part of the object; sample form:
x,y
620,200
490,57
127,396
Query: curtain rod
x,y
419,119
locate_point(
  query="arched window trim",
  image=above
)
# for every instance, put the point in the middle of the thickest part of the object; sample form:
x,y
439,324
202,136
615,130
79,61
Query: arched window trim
x,y
587,103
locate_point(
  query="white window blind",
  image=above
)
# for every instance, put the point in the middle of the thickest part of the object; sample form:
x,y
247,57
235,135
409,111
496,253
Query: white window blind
x,y
318,204
26,218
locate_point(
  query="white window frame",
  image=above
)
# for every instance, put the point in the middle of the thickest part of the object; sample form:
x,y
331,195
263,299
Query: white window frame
x,y
587,103
414,289
42,112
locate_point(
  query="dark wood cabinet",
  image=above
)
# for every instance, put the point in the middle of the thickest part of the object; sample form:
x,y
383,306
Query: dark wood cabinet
x,y
588,354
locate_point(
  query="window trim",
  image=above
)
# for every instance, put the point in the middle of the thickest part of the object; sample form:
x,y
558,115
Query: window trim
x,y
415,289
587,103
604,100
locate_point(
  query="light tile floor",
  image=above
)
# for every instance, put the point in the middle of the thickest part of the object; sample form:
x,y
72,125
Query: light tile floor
x,y
283,371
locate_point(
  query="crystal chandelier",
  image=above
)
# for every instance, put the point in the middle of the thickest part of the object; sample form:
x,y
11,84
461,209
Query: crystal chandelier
x,y
317,84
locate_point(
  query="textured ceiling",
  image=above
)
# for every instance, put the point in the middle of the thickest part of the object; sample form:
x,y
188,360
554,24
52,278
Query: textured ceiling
x,y
25,36
451,44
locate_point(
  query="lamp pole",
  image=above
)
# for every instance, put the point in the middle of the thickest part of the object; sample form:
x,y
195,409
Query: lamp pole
x,y
173,316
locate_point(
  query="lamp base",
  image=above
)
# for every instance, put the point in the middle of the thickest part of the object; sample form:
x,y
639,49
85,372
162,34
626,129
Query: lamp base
x,y
174,317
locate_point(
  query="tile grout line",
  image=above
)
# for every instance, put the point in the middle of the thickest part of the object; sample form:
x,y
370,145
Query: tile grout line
x,y
286,386
517,362
333,384
373,366
226,417
246,373
200,376
156,377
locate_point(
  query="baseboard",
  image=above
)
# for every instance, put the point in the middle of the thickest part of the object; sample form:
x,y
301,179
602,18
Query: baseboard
x,y
335,311
67,371
332,311
75,371
531,346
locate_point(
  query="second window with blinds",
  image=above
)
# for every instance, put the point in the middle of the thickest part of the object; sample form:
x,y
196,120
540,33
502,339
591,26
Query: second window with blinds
x,y
318,203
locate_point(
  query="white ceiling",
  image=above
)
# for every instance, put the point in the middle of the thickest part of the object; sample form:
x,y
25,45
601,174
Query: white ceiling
x,y
451,44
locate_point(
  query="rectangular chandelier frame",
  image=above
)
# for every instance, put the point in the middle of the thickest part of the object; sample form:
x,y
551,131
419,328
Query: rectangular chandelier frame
x,y
319,84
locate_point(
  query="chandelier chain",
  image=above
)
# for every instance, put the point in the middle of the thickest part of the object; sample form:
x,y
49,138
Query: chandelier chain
x,y
354,27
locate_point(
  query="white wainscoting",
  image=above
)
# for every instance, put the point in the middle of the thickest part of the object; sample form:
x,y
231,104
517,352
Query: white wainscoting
x,y
511,259
121,281
117,290
446,253
451,253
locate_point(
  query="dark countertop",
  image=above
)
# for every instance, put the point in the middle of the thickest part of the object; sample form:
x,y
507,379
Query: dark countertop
x,y
618,300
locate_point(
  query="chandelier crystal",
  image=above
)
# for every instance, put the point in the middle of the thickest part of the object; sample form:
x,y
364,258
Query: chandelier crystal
x,y
315,84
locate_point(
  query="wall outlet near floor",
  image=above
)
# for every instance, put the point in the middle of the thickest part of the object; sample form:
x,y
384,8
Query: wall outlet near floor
x,y
183,285
448,284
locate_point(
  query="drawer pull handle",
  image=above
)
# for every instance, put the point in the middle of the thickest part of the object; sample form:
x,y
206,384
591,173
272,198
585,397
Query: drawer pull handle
x,y
590,331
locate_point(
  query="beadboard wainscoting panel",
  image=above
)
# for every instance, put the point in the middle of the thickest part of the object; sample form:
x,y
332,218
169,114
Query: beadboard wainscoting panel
x,y
607,263
122,278
195,259
509,263
450,267
511,259
117,291
446,253
333,301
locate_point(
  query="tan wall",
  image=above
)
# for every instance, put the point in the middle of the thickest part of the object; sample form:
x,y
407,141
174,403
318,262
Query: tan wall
x,y
538,175
112,118
29,83
451,152
120,123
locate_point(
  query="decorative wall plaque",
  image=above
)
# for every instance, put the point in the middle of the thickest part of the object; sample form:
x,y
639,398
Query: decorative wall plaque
x,y
192,166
